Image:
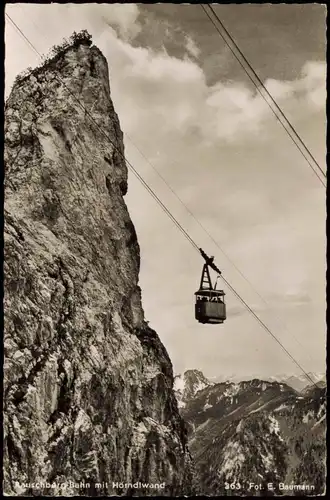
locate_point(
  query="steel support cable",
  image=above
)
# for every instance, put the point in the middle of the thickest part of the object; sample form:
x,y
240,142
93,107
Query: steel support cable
x,y
174,220
34,49
267,92
111,141
206,231
269,331
210,236
267,102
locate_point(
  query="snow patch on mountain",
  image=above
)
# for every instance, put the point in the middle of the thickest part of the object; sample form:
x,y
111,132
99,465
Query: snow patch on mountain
x,y
274,426
188,384
318,422
178,383
232,390
262,407
207,406
307,417
321,410
239,427
233,457
281,407
267,460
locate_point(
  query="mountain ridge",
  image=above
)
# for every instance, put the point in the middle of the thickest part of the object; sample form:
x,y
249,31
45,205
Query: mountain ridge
x,y
298,382
257,431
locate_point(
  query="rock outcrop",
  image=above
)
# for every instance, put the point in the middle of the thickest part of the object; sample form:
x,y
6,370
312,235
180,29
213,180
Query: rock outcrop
x,y
89,407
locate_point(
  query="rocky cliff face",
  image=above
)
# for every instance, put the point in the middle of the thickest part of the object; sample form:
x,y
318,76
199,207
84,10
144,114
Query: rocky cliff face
x,y
89,405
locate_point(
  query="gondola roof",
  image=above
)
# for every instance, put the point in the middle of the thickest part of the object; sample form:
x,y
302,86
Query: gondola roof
x,y
210,292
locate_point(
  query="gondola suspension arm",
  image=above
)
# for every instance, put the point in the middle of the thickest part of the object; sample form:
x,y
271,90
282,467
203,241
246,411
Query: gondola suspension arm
x,y
209,261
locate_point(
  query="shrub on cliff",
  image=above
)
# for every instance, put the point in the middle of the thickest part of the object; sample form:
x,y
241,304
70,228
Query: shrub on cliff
x,y
56,52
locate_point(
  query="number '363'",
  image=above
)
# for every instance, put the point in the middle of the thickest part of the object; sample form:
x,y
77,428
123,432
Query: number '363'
x,y
232,486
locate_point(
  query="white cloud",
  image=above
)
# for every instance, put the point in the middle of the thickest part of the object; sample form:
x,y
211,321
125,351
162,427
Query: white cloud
x,y
239,186
175,91
279,89
314,83
191,47
310,88
122,16
49,24
170,91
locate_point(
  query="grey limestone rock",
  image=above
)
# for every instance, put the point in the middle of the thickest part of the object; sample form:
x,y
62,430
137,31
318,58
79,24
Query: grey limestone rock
x,y
88,385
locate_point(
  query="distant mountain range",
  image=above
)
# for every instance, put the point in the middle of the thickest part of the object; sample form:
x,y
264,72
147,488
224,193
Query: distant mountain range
x,y
298,382
255,431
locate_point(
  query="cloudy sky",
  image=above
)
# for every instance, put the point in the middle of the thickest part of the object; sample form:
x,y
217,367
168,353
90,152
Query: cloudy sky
x,y
191,116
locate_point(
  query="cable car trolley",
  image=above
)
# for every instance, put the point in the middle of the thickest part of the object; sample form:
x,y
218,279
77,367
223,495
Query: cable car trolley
x,y
210,304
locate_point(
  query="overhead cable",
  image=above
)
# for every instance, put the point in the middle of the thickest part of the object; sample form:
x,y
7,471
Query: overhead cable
x,y
283,120
162,205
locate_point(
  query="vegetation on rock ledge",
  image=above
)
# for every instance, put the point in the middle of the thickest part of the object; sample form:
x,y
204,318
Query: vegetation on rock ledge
x,y
56,52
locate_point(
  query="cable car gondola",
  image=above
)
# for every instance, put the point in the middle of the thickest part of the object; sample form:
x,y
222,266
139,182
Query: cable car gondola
x,y
210,304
